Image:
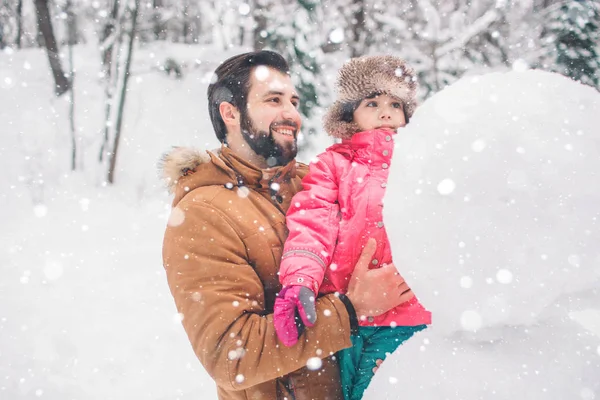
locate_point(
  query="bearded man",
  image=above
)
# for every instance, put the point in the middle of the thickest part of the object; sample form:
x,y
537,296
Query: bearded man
x,y
223,244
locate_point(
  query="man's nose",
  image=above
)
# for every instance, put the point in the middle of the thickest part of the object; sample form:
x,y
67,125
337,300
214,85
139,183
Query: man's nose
x,y
290,112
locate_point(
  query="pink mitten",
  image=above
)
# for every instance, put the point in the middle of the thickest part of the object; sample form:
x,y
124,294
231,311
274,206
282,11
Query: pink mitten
x,y
294,310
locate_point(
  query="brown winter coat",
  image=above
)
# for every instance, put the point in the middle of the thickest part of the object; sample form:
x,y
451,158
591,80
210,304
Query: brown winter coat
x,y
221,252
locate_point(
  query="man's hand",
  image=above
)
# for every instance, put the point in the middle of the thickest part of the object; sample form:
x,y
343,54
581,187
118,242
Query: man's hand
x,y
377,365
294,309
372,292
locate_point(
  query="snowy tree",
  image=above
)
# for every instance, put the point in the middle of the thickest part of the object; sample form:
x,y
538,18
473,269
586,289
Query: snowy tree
x,y
122,87
359,21
4,19
442,40
61,83
225,23
298,40
349,26
19,16
72,39
571,40
120,24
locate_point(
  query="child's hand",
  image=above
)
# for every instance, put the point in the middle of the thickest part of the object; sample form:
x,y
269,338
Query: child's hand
x,y
294,309
377,365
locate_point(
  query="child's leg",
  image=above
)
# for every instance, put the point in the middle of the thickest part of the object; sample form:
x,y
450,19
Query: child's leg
x,y
348,360
377,346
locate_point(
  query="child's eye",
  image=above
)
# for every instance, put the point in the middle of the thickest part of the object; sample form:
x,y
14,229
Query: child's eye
x,y
397,105
371,104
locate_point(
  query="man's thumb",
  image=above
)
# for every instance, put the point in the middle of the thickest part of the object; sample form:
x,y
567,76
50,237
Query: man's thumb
x,y
366,255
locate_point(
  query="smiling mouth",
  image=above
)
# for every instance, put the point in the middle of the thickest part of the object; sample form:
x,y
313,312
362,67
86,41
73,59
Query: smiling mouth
x,y
286,131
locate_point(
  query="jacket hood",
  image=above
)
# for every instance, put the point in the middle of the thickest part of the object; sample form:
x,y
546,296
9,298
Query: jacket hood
x,y
184,169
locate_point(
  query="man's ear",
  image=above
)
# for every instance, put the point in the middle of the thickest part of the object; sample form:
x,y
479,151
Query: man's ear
x,y
229,113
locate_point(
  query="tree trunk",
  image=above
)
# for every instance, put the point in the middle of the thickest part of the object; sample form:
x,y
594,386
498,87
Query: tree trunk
x,y
72,31
158,29
186,29
126,72
260,24
359,30
19,23
108,59
72,40
434,66
107,31
62,85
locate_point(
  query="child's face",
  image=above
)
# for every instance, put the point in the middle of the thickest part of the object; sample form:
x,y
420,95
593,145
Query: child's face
x,y
380,112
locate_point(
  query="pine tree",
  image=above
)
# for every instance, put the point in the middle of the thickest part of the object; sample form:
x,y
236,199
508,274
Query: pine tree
x,y
297,39
572,39
442,40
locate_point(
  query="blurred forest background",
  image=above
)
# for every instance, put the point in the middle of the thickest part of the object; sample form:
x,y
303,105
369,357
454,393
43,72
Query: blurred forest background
x,y
443,40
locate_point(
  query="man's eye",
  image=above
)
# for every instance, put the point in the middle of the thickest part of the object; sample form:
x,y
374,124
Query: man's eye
x,y
296,104
274,100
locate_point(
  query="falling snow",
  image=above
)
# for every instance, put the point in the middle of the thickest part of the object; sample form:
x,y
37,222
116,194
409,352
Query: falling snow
x,y
314,363
71,251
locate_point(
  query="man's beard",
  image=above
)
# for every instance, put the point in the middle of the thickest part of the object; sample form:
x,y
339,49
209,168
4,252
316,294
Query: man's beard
x,y
264,144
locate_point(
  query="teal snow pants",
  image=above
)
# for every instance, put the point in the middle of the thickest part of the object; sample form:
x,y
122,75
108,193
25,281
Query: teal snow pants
x,y
371,343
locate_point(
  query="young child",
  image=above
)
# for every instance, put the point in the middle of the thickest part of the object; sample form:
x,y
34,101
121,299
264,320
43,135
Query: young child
x,y
340,208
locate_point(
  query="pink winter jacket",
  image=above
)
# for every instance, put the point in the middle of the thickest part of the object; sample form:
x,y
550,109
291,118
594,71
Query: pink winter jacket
x,y
331,220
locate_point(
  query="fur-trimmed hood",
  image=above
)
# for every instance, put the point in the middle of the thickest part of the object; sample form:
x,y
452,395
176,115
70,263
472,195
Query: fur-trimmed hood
x,y
184,169
363,76
180,162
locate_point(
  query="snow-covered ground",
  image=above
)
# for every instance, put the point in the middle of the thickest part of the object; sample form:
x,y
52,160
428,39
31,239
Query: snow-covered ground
x,y
496,225
85,311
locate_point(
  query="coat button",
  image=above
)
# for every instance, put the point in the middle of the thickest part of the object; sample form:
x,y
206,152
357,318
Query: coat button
x,y
374,262
370,319
380,224
388,138
384,166
385,152
384,185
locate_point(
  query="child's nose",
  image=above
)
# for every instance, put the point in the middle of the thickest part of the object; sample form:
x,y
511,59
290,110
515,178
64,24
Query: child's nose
x,y
385,114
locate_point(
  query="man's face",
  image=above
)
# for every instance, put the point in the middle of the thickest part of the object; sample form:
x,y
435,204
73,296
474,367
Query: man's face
x,y
271,123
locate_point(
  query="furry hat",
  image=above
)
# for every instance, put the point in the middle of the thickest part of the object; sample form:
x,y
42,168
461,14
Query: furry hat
x,y
363,76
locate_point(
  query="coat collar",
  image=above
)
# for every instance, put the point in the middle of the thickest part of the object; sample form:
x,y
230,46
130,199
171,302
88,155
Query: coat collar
x,y
186,169
250,175
373,146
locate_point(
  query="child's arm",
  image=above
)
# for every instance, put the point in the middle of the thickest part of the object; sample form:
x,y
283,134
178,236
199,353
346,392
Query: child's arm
x,y
313,225
312,221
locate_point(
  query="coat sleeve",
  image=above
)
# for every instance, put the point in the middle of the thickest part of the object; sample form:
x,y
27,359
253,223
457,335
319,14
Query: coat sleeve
x,y
313,224
222,304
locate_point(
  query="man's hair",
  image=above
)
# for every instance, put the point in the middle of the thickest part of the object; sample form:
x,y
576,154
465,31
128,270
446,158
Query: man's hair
x,y
232,84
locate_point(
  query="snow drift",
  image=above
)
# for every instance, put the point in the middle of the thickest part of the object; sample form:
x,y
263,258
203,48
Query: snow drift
x,y
493,212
